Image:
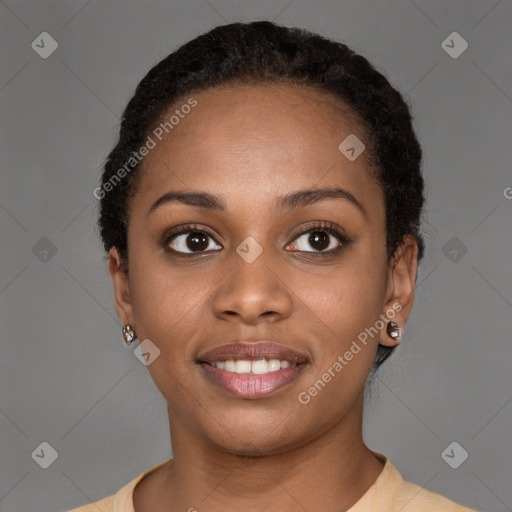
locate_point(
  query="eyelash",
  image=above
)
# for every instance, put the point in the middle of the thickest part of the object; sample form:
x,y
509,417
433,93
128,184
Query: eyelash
x,y
322,226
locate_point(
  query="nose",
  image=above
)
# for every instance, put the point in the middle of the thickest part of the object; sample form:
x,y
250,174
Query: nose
x,y
253,293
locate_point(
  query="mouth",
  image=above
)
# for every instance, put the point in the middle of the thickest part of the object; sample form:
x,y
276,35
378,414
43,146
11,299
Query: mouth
x,y
252,369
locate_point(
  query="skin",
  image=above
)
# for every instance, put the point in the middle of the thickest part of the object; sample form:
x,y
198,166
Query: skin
x,y
251,145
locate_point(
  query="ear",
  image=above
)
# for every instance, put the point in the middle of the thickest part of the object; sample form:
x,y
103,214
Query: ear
x,y
400,287
122,295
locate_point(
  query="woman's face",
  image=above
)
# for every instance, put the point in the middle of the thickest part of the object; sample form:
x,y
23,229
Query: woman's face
x,y
255,271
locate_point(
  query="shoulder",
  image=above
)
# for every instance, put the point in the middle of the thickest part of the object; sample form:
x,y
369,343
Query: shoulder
x,y
391,493
122,500
413,498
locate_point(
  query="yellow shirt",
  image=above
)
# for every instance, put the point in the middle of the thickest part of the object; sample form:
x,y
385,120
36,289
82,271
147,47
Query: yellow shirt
x,y
389,493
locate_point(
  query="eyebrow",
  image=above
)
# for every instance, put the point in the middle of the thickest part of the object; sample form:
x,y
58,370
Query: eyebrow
x,y
290,201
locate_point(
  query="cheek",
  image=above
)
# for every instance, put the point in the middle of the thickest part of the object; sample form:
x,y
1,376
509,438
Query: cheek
x,y
346,301
166,299
344,308
166,304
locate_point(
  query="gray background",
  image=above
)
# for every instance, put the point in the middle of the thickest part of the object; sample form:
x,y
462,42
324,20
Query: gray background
x,y
65,375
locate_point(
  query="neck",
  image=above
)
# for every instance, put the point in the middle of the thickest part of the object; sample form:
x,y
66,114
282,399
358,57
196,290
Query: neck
x,y
330,472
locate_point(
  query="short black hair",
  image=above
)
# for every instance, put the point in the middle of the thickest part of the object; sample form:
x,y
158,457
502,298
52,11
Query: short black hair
x,y
264,52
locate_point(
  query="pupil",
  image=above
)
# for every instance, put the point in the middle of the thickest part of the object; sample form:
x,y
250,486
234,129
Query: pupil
x,y
197,241
319,240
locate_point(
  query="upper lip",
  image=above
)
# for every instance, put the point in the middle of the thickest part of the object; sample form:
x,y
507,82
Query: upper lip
x,y
252,351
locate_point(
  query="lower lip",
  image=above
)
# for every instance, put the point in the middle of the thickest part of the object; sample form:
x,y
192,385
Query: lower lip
x,y
250,385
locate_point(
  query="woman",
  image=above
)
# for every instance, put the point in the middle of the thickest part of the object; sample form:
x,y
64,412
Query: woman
x,y
261,212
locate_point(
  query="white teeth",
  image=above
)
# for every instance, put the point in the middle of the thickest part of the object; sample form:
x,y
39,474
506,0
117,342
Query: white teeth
x,y
259,367
274,365
229,365
243,366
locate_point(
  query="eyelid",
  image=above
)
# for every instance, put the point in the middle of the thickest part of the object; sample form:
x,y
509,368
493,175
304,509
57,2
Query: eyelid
x,y
323,225
185,228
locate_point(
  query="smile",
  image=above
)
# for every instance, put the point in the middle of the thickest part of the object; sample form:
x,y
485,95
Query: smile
x,y
252,370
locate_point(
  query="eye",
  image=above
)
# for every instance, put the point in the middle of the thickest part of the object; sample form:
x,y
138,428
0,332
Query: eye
x,y
323,238
190,240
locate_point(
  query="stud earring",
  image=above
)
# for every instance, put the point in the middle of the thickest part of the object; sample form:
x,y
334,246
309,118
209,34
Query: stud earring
x,y
128,334
393,330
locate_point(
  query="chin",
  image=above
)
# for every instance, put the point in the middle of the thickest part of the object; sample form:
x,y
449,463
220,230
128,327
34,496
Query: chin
x,y
258,433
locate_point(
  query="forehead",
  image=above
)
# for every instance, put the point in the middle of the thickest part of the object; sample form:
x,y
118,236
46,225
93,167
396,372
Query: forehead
x,y
256,142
